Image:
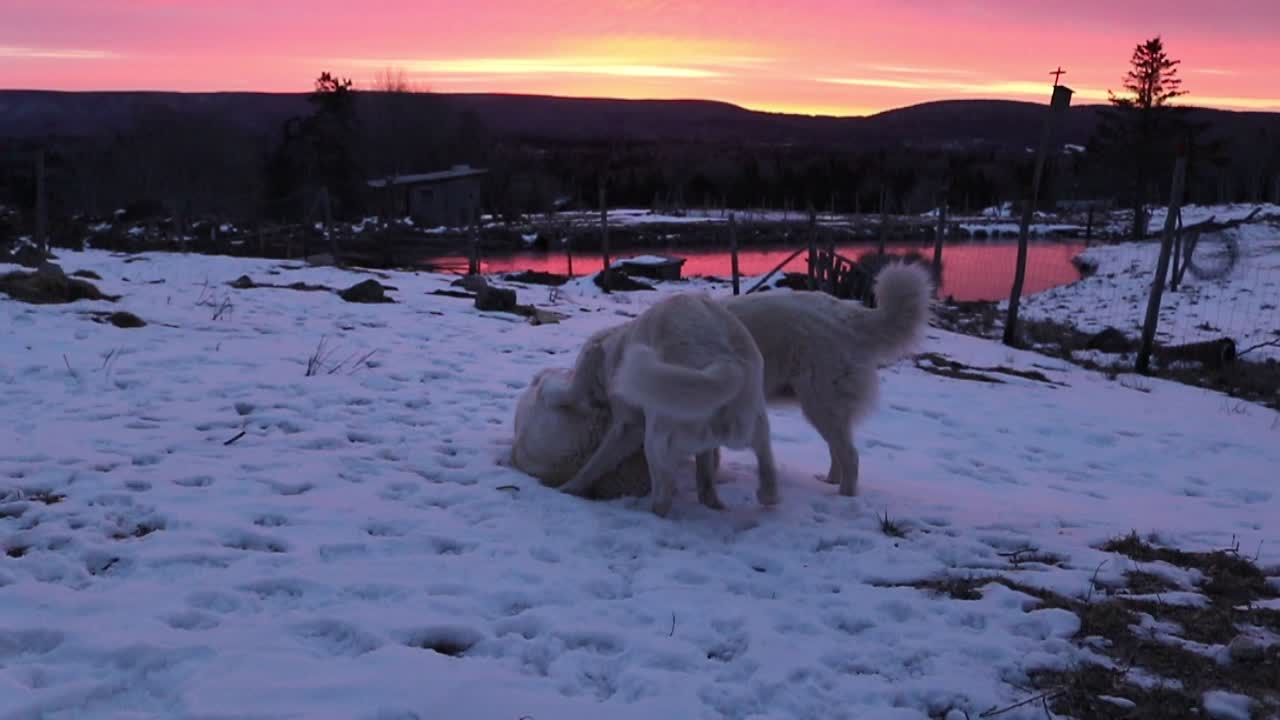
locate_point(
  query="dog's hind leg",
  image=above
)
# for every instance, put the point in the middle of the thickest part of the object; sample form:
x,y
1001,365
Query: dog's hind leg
x,y
849,485
622,439
657,451
766,467
707,463
835,426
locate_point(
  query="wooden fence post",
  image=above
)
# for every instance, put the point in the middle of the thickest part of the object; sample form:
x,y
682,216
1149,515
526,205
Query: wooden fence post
x,y
568,251
1057,106
1162,265
329,233
1175,273
42,205
733,252
813,249
938,241
884,217
473,252
604,238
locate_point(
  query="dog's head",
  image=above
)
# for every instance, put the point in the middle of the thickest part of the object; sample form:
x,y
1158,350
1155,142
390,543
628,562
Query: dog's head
x,y
553,437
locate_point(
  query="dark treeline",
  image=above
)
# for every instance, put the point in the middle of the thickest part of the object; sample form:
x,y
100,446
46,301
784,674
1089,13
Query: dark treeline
x,y
190,163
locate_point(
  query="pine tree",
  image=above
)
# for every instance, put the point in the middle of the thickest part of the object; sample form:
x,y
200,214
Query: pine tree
x,y
1134,133
332,131
316,151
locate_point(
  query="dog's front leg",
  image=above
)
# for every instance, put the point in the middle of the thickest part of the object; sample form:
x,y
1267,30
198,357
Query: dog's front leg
x,y
623,438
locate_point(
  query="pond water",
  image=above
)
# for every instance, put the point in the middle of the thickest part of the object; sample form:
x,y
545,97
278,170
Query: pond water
x,y
971,270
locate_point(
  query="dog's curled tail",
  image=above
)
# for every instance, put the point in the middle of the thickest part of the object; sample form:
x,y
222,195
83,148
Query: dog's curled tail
x,y
903,292
646,381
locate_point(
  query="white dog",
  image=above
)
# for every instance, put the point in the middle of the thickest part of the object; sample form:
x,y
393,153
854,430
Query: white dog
x,y
680,380
826,352
552,442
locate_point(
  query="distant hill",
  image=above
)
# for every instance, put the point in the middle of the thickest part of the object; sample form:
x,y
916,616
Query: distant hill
x,y
34,114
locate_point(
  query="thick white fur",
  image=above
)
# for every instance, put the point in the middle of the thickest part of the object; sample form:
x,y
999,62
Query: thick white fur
x,y
552,441
682,379
825,352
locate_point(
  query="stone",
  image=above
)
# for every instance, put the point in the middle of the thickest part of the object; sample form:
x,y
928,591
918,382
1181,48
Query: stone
x,y
1110,340
125,319
493,299
620,282
471,282
30,256
1246,649
537,277
49,285
366,291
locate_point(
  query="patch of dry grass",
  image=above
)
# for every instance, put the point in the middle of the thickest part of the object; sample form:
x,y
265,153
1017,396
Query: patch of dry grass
x,y
1112,626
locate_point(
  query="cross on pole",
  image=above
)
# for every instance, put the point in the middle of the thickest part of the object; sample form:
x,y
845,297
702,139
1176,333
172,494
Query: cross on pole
x,y
1057,74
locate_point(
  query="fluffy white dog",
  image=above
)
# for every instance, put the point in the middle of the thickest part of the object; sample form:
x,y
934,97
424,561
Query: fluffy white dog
x,y
552,442
680,380
825,352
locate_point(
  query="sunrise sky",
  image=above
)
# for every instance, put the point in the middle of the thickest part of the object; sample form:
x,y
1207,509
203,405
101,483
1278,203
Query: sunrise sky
x,y
810,56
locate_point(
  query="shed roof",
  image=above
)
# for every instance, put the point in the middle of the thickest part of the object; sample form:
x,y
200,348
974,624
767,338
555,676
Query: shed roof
x,y
454,173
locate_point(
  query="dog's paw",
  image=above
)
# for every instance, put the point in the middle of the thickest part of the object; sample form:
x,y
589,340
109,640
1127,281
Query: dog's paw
x,y
662,508
571,488
711,500
828,479
768,498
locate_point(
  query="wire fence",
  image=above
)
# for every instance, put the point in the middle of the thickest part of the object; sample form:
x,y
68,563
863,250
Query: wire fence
x,y
1229,290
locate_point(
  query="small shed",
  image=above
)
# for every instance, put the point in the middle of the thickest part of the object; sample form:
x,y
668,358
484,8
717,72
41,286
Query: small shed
x,y
449,198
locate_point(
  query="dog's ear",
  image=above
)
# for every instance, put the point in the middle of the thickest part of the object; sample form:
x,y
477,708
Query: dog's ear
x,y
558,393
584,387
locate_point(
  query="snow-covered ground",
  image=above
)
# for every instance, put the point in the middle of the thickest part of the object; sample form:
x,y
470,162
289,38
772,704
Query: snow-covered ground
x,y
1244,304
233,538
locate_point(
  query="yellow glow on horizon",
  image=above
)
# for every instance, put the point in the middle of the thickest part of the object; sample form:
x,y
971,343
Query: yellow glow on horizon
x,y
53,53
659,50
537,66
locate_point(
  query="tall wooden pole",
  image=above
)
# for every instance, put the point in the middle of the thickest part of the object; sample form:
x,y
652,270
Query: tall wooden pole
x,y
568,250
604,237
1162,265
884,216
327,209
941,237
813,249
1175,276
733,252
1057,106
42,205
